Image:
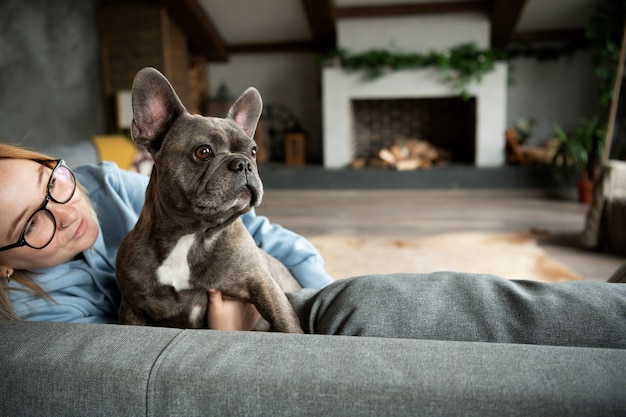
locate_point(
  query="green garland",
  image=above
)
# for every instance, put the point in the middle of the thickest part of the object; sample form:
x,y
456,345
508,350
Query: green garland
x,y
544,53
458,66
465,63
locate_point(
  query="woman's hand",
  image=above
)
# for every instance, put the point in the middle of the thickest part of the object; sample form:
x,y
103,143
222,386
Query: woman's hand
x,y
226,313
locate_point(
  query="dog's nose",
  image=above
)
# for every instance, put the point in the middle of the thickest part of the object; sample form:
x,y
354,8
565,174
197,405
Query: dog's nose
x,y
240,164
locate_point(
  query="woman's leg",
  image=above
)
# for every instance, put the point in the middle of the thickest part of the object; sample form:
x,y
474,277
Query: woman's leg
x,y
468,307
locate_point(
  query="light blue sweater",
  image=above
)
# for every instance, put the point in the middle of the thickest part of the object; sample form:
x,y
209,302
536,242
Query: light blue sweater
x,y
84,290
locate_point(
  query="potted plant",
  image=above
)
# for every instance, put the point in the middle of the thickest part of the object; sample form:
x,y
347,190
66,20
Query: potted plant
x,y
579,154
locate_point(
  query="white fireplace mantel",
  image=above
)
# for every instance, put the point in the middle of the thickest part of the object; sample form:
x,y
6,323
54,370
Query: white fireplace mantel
x,y
341,87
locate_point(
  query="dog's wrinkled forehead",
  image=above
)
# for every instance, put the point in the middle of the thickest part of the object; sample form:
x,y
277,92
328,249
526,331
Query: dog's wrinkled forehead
x,y
222,135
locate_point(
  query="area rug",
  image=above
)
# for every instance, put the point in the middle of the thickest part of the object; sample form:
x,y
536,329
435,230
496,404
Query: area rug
x,y
510,255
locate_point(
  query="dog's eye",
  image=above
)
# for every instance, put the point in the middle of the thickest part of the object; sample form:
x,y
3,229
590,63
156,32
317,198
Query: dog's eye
x,y
253,152
204,152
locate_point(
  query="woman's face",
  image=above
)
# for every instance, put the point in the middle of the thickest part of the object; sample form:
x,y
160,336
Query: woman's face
x,y
23,188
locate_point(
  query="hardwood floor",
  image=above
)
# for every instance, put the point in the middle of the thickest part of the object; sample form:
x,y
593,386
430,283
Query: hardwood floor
x,y
417,213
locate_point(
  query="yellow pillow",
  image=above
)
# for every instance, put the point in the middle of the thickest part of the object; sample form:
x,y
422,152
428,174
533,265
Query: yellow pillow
x,y
115,148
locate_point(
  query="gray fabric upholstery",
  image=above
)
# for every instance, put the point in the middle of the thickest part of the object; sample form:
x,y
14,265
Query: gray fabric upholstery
x,y
66,369
468,307
75,155
54,369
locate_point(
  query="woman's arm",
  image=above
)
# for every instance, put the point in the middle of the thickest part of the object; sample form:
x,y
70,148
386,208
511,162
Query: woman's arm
x,y
299,256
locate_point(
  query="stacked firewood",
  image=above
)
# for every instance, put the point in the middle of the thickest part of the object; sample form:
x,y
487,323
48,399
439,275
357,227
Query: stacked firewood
x,y
405,155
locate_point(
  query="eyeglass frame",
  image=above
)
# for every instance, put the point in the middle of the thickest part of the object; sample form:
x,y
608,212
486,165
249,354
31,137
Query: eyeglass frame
x,y
43,207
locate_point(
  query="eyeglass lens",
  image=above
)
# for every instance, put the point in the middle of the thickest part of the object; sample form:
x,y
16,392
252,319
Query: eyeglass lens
x,y
62,184
40,228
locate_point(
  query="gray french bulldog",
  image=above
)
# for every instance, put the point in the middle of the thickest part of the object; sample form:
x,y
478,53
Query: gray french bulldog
x,y
189,236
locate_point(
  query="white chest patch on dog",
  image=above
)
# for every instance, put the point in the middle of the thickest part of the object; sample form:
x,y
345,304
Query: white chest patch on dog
x,y
174,270
194,316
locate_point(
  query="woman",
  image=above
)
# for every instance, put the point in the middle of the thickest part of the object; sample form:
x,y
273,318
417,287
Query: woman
x,y
60,230
57,259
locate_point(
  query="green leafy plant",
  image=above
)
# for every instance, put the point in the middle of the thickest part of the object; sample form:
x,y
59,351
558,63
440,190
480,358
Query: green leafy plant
x,y
461,65
605,32
579,152
524,128
458,66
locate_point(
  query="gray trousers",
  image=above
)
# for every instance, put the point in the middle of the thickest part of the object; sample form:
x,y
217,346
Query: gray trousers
x,y
468,307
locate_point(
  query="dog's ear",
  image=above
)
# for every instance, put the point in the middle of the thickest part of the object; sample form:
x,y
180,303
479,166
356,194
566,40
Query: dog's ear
x,y
155,108
246,111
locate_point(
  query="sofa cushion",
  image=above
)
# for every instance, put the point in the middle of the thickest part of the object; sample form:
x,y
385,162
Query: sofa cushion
x,y
79,369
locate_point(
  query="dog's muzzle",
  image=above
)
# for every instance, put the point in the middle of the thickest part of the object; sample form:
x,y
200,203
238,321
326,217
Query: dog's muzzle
x,y
240,164
245,169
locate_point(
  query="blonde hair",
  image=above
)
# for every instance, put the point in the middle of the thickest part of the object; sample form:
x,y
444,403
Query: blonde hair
x,y
22,277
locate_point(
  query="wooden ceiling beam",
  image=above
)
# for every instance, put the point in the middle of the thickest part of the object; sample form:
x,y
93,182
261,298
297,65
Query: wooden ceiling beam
x,y
412,9
196,24
321,17
504,17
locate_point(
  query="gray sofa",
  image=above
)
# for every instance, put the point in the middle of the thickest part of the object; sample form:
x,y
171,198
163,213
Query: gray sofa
x,y
53,369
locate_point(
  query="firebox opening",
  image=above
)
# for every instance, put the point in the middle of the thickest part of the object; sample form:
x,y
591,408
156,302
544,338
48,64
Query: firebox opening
x,y
447,123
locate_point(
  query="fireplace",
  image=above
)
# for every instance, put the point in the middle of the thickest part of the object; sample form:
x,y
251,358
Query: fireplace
x,y
472,130
448,123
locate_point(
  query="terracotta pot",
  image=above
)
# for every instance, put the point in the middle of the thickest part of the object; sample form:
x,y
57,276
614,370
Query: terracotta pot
x,y
585,191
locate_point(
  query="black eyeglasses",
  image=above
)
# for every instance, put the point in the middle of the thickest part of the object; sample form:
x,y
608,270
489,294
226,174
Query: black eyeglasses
x,y
41,226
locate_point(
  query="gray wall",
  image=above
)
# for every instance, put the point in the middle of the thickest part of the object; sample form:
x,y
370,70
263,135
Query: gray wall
x,y
561,92
289,79
50,84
